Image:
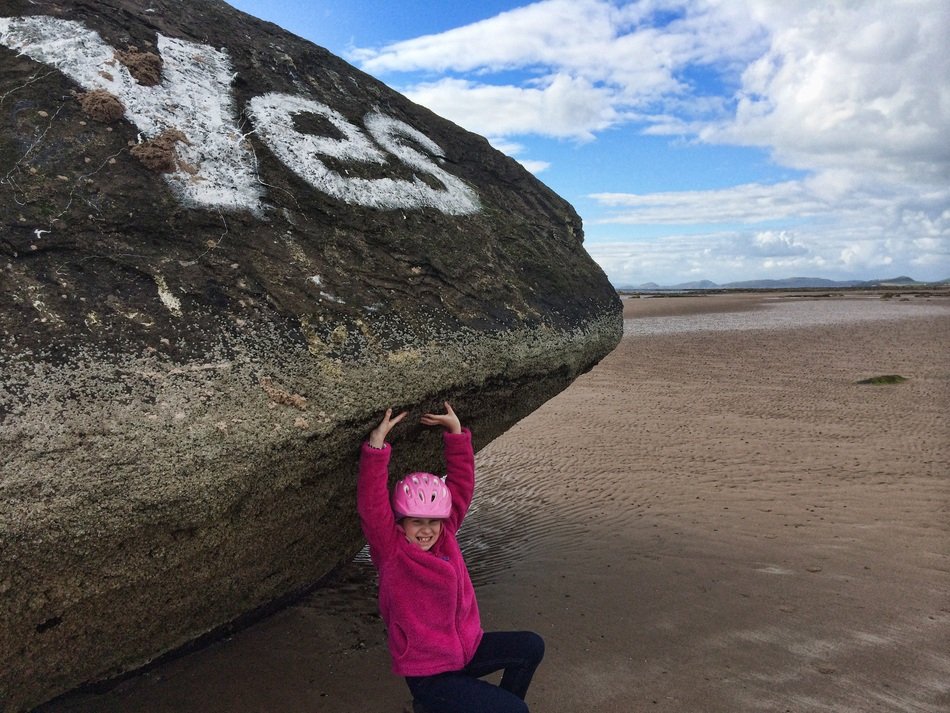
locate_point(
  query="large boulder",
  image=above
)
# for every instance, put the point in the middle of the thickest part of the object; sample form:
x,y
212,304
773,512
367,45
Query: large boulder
x,y
224,252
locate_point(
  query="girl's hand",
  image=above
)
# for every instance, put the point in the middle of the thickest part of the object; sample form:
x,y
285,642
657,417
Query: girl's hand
x,y
377,437
448,420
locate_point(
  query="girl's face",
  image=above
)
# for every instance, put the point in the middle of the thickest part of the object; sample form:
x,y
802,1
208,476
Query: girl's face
x,y
422,532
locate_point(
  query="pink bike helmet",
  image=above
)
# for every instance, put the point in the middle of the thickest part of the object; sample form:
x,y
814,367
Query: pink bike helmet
x,y
422,495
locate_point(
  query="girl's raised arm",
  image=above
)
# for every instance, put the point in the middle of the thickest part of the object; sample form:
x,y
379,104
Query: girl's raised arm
x,y
459,462
372,489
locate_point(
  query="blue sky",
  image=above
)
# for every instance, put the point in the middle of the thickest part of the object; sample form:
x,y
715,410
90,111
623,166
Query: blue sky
x,y
698,139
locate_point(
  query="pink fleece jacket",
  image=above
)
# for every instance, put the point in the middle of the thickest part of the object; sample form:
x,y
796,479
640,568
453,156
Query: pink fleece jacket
x,y
426,599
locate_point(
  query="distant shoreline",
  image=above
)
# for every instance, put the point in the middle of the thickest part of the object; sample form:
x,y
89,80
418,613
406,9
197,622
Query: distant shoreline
x,y
923,290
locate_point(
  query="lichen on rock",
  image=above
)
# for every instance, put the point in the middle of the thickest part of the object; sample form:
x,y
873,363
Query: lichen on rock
x,y
145,67
159,154
102,106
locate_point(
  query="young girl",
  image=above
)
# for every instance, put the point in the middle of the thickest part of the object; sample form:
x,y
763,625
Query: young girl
x,y
426,597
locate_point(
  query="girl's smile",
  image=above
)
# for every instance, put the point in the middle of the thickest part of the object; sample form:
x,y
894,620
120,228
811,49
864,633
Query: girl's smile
x,y
422,532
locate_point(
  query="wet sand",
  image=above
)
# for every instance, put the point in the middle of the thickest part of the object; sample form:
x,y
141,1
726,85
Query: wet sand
x,y
715,518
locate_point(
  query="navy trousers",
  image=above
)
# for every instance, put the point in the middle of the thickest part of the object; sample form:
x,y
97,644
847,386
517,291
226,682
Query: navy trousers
x,y
517,653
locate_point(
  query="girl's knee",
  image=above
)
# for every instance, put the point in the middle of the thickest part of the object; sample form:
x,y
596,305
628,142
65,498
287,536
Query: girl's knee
x,y
534,646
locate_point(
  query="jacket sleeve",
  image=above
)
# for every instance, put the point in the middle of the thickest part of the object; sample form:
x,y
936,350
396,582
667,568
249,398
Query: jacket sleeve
x,y
372,501
460,474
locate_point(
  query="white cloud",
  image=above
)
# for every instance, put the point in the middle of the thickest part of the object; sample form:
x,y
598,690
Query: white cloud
x,y
676,259
843,224
577,48
857,85
775,244
740,204
853,94
535,167
591,37
732,256
822,83
513,149
564,107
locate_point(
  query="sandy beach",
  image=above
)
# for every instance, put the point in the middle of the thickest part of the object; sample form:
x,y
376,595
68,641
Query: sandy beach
x,y
716,518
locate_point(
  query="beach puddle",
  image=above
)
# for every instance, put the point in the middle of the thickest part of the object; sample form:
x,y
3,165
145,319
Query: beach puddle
x,y
786,314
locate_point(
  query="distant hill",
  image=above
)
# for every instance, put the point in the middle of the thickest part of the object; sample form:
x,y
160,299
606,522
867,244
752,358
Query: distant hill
x,y
701,285
790,283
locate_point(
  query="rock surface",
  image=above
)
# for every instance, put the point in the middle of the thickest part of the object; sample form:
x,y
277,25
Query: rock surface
x,y
223,252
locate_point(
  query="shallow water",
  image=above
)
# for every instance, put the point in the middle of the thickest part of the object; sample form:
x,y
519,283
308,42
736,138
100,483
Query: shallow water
x,y
787,314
